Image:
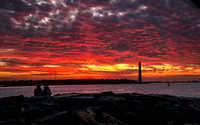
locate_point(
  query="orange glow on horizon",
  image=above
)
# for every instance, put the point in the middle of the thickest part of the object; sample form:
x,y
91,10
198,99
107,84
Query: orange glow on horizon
x,y
98,71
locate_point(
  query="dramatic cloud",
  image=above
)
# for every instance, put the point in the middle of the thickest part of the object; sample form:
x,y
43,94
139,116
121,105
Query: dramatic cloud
x,y
99,39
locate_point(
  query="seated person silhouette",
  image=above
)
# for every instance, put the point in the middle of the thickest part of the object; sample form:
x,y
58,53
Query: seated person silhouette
x,y
38,90
46,91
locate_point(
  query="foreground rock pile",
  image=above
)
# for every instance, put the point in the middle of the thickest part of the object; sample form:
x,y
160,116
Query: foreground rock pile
x,y
103,108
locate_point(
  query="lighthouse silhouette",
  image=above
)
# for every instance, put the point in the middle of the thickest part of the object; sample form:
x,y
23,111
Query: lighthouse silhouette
x,y
139,73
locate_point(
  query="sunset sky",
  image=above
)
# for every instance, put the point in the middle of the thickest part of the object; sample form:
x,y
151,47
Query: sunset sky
x,y
99,39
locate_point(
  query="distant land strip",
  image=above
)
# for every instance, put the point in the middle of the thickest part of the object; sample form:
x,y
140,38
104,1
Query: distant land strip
x,y
81,82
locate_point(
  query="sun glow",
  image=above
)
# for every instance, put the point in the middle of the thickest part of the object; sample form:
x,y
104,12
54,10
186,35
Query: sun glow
x,y
52,66
111,68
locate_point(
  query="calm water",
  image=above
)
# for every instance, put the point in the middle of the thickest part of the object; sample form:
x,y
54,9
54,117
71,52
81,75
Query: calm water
x,y
176,89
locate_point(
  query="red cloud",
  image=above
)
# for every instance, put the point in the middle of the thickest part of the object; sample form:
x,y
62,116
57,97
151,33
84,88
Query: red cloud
x,y
38,38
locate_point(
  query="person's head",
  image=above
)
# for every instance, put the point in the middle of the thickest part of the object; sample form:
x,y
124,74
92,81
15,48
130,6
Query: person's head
x,y
38,85
46,86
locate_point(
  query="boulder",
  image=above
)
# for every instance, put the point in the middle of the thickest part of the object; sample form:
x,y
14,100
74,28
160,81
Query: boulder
x,y
118,99
109,119
107,93
12,100
87,116
58,97
9,122
105,98
195,104
39,109
102,108
57,118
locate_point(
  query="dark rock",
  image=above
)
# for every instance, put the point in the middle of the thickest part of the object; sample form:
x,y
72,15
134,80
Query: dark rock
x,y
105,98
74,103
171,99
107,93
36,99
58,97
9,111
59,118
109,119
103,108
95,108
118,99
87,117
12,100
9,122
39,109
195,104
57,94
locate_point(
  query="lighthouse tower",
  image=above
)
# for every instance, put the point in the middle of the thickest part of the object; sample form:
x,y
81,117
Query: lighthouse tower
x,y
139,73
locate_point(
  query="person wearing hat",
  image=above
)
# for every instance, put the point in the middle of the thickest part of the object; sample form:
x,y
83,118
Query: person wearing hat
x,y
46,91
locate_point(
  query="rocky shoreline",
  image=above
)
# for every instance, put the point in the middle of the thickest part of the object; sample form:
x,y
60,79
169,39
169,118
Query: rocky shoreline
x,y
100,108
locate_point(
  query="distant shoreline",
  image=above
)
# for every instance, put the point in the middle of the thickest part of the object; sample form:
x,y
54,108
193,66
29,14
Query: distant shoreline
x,y
68,82
76,84
81,82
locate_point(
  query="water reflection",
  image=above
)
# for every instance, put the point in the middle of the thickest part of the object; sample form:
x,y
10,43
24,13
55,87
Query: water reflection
x,y
176,89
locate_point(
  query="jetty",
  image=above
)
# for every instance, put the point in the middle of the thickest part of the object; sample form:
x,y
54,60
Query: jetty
x,y
100,108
